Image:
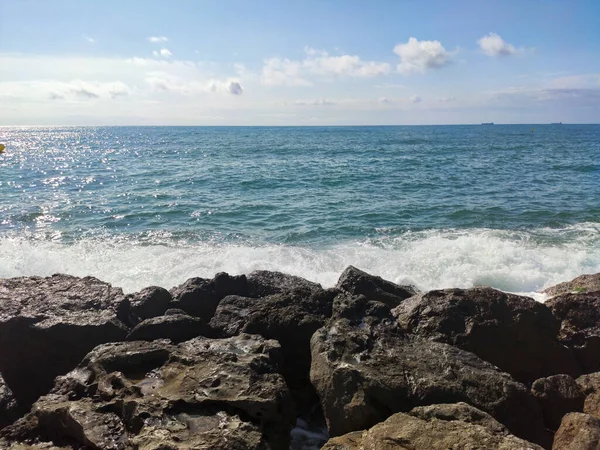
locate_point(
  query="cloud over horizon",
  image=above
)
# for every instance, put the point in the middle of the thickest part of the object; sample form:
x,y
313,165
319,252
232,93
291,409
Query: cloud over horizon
x,y
493,45
420,56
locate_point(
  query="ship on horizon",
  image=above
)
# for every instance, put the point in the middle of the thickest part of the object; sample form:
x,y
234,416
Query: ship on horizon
x,y
555,123
487,123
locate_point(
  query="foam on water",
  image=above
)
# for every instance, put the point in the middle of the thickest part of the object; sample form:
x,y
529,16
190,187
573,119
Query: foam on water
x,y
523,262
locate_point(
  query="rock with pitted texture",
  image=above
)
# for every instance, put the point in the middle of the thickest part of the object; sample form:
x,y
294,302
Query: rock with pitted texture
x,y
365,372
557,395
262,283
47,325
435,427
577,431
356,282
580,285
291,318
200,296
579,316
590,386
515,333
8,405
150,302
201,394
175,327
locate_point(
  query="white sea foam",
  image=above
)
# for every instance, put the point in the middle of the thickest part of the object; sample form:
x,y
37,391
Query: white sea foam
x,y
522,262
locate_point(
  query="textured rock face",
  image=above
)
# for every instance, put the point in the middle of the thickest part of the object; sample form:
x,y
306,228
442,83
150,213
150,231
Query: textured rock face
x,y
437,427
291,318
176,327
47,325
517,334
577,431
200,297
150,302
356,282
557,395
365,372
262,283
590,386
8,405
201,394
579,285
579,315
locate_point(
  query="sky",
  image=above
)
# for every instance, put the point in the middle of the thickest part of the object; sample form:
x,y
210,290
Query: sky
x,y
326,62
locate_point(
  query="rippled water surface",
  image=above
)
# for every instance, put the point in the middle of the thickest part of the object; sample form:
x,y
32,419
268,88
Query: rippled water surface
x,y
435,205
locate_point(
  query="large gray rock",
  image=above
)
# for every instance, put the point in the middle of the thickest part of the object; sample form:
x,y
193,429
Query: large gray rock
x,y
150,302
365,372
557,395
8,405
580,285
436,427
577,431
291,318
263,282
200,296
47,325
175,327
357,282
201,394
515,333
579,316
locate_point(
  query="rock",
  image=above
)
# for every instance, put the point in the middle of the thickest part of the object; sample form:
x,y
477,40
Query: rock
x,y
557,395
578,431
579,285
200,297
579,315
291,318
201,394
8,405
175,327
517,334
437,427
364,373
150,302
174,312
357,282
47,325
262,283
590,386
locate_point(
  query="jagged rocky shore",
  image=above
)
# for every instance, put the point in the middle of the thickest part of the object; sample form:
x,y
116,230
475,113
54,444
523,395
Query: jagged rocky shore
x,y
266,361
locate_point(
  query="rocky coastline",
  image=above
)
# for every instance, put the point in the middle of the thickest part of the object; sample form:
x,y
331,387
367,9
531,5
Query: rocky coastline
x,y
273,361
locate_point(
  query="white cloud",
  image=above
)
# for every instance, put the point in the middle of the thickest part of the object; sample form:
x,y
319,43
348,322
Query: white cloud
x,y
278,72
419,56
74,90
493,45
166,82
91,40
315,102
390,86
157,39
164,52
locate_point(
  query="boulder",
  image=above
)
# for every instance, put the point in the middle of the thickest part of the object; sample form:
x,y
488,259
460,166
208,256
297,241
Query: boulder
x,y
577,431
579,285
150,302
365,372
515,333
557,395
200,296
590,386
262,283
291,318
436,427
8,405
356,282
175,327
47,325
579,316
202,394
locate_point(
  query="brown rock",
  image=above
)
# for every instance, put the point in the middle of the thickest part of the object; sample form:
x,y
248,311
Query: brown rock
x,y
515,333
557,395
590,385
8,405
175,327
579,285
578,431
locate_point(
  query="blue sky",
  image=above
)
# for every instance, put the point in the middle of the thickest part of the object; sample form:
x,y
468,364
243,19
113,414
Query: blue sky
x,y
229,62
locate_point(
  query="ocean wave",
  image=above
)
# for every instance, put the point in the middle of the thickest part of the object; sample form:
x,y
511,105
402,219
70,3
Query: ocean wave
x,y
523,261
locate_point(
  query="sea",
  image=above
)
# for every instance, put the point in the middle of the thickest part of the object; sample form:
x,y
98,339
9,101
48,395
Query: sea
x,y
515,207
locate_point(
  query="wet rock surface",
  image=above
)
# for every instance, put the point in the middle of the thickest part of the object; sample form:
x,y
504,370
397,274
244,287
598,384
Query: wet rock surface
x,y
580,285
47,325
557,395
357,282
515,333
436,427
203,393
579,316
175,327
365,372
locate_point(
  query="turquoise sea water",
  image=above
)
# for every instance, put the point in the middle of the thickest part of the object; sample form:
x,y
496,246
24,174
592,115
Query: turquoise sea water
x,y
438,206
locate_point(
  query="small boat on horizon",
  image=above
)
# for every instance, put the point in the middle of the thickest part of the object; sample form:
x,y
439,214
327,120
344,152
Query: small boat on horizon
x,y
556,123
487,123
